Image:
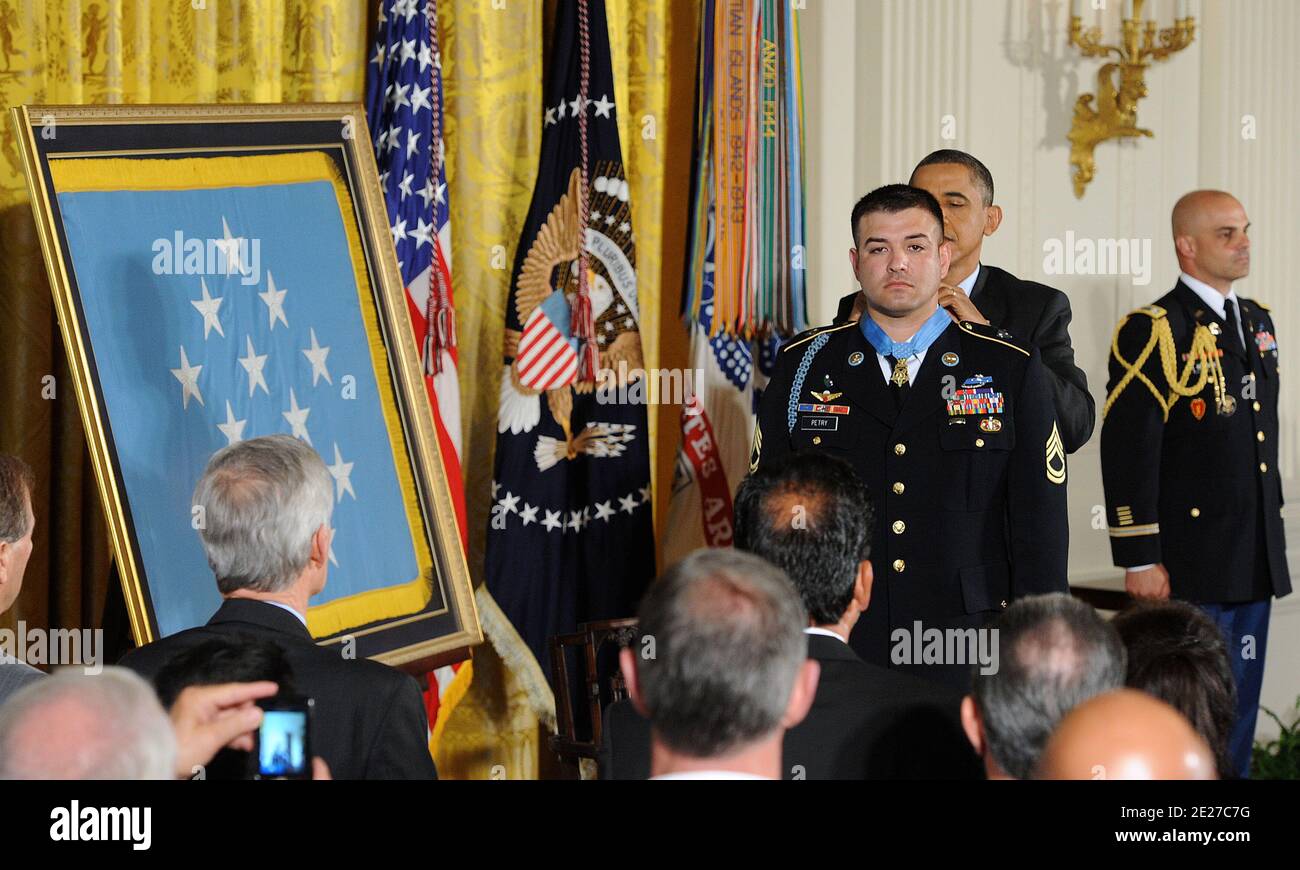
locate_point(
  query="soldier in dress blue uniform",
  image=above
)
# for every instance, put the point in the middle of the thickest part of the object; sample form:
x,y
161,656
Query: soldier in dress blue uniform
x,y
951,425
1189,447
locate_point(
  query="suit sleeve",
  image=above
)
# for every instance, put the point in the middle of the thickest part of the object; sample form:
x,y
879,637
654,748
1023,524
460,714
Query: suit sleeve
x,y
1076,411
771,432
1039,521
1132,430
400,749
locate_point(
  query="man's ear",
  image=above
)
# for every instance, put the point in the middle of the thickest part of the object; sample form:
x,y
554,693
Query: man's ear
x,y
853,260
1185,246
801,696
862,587
992,219
945,258
320,544
6,550
971,724
627,664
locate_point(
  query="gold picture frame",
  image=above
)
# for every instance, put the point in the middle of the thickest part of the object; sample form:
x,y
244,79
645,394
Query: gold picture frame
x,y
55,139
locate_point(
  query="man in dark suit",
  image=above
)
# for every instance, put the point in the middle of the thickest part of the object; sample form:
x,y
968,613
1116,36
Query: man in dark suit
x,y
1189,446
17,522
266,509
950,425
977,292
810,515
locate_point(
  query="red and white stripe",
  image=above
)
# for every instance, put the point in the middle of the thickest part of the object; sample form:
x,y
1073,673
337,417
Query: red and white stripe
x,y
546,360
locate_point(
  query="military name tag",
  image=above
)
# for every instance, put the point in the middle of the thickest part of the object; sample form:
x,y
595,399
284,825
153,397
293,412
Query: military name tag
x,y
819,424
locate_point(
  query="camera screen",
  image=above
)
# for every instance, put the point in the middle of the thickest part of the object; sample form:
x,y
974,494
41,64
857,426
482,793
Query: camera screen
x,y
282,743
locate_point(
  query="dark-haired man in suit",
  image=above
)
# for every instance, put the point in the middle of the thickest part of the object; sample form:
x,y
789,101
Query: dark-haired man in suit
x,y
810,515
979,293
267,505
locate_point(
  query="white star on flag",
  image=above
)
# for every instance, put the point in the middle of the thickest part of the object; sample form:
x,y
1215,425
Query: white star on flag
x,y
342,472
528,514
603,105
274,300
604,511
253,365
297,418
207,306
233,429
316,356
627,503
188,375
229,247
552,520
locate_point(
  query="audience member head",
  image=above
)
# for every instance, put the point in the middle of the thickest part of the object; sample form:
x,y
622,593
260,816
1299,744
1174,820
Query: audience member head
x,y
1126,734
721,667
75,726
810,515
266,506
964,188
1176,653
899,255
17,522
1054,653
1210,237
220,661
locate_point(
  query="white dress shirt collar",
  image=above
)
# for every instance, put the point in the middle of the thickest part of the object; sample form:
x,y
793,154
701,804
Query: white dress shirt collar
x,y
969,283
283,606
825,632
1209,295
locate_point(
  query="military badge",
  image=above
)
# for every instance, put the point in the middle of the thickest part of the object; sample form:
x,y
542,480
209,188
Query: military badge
x,y
1214,329
825,396
1265,341
950,359
1228,406
970,401
856,358
977,381
1055,457
990,424
1198,408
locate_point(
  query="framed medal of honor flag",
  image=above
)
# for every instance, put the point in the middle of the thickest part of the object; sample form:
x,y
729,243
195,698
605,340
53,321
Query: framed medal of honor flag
x,y
227,272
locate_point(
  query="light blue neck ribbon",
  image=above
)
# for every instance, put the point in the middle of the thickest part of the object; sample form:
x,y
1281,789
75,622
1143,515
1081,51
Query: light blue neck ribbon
x,y
925,336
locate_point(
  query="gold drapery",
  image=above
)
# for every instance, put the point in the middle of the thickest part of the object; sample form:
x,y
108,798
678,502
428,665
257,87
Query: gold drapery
x,y
121,51
133,51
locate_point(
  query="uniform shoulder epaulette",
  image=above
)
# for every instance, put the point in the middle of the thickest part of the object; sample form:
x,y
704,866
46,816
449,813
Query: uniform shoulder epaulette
x,y
994,334
1260,305
1155,312
813,333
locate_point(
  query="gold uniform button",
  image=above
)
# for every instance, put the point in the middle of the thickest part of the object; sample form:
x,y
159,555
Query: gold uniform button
x,y
898,488
899,565
817,439
900,449
1252,376
1259,436
1263,467
899,527
1255,405
1196,512
979,442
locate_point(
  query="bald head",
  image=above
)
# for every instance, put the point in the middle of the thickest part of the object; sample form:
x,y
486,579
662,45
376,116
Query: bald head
x,y
77,726
1126,734
1210,237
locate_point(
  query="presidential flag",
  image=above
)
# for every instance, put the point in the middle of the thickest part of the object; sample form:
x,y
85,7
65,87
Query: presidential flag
x,y
404,109
570,533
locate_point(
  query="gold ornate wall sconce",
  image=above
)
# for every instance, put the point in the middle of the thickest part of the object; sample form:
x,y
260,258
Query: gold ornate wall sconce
x,y
1113,115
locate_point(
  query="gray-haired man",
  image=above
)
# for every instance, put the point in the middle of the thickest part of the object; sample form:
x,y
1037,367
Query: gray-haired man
x,y
1055,653
721,668
267,504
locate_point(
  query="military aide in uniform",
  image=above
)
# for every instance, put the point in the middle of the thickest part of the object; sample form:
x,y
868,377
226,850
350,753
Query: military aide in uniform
x,y
1189,445
950,424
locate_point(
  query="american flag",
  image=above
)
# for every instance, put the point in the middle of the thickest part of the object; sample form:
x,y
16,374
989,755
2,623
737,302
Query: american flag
x,y
404,108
